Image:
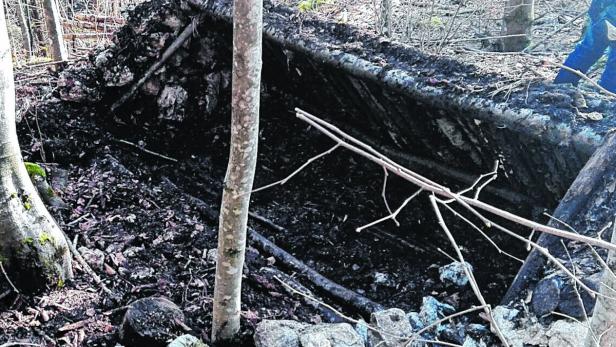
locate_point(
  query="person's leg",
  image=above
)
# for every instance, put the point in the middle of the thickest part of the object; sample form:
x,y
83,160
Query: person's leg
x,y
608,79
586,53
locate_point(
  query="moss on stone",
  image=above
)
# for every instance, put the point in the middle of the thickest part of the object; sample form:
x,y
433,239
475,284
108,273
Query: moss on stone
x,y
35,170
44,238
28,241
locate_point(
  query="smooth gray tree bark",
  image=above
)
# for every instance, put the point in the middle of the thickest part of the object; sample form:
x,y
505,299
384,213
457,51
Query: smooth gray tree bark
x,y
33,249
246,80
518,24
54,29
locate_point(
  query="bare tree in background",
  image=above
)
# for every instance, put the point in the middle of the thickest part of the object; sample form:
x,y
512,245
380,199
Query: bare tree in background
x,y
54,28
518,24
23,26
247,39
33,249
385,17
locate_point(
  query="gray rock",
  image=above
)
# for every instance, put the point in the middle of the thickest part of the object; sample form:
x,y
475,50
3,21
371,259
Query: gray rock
x,y
433,310
151,322
283,333
330,335
187,341
396,326
362,329
546,296
470,342
172,102
454,273
94,257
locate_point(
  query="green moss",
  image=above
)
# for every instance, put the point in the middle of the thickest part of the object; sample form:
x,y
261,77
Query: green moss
x,y
13,196
35,170
60,283
50,192
25,200
44,238
28,241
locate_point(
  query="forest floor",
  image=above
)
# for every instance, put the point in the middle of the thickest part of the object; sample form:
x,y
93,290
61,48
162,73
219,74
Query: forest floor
x,y
132,218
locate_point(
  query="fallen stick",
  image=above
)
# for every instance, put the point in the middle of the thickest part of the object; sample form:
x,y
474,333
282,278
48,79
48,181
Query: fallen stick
x,y
86,267
337,291
168,53
145,150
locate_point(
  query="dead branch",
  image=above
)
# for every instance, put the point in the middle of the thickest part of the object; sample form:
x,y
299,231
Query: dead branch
x,y
335,290
145,150
358,147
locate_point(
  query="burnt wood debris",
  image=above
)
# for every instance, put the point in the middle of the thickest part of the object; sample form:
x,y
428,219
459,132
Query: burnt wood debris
x,y
133,142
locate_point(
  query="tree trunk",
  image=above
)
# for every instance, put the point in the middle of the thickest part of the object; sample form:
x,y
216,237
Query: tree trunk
x,y
54,28
25,31
604,317
518,24
34,18
589,205
32,247
384,18
247,38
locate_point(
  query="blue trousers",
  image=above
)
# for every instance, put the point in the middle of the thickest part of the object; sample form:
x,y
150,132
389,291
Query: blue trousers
x,y
587,53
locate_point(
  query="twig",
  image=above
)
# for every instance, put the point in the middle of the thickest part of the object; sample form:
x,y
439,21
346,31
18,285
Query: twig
x,y
168,53
162,156
581,75
8,279
392,215
308,162
384,196
79,219
86,267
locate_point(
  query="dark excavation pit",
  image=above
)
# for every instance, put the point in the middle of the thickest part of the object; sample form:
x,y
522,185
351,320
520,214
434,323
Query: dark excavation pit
x,y
156,238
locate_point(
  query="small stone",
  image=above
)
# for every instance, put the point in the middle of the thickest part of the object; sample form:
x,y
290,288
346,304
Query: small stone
x,y
546,296
151,322
187,341
394,323
454,273
283,333
433,310
94,257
